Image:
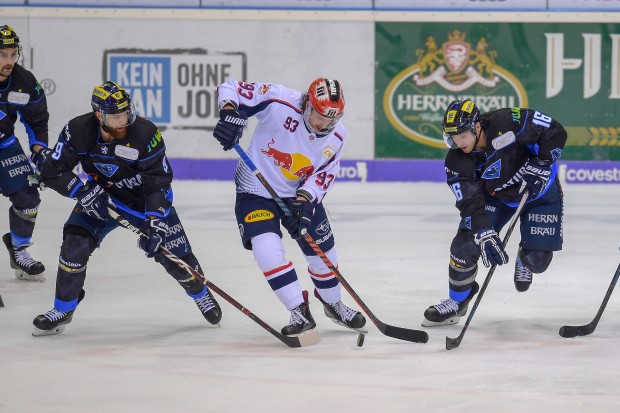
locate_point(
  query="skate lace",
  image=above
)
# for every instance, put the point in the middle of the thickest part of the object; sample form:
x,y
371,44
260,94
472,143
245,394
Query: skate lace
x,y
205,303
297,317
447,306
24,259
54,314
522,274
345,313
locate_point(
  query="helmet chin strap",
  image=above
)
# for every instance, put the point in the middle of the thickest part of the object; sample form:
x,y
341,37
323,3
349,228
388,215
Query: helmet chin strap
x,y
477,136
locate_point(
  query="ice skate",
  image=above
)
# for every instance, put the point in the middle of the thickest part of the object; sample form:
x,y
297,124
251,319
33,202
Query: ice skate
x,y
448,311
342,315
301,319
26,268
209,308
523,276
54,321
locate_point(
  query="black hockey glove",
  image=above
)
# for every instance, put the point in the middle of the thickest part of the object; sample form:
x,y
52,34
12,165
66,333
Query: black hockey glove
x,y
535,177
298,224
491,247
94,200
39,158
156,231
229,128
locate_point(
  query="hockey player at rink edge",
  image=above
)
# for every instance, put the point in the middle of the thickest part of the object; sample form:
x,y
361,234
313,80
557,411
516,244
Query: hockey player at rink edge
x,y
493,159
20,94
124,156
297,145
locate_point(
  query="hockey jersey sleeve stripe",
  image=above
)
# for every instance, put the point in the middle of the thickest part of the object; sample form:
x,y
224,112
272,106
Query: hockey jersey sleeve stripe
x,y
339,136
253,110
527,114
152,156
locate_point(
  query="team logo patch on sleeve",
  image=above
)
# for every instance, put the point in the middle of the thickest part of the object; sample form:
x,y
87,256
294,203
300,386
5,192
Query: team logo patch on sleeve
x,y
259,215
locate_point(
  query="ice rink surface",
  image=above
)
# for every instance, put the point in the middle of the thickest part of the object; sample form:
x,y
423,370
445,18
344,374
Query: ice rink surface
x,y
137,343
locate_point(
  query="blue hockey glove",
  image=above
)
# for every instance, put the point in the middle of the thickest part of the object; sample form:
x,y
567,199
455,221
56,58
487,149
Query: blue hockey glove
x,y
535,176
298,224
156,231
491,247
94,200
229,128
38,158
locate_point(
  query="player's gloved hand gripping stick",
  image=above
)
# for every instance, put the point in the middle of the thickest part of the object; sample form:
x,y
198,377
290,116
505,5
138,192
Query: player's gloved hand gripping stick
x,y
416,336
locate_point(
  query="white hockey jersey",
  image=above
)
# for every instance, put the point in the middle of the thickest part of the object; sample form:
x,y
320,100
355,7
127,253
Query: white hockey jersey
x,y
282,148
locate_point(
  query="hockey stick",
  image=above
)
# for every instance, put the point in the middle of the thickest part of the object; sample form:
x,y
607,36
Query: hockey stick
x,y
584,330
455,342
416,336
303,340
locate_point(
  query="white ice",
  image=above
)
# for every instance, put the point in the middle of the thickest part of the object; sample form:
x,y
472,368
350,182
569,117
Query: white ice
x,y
137,343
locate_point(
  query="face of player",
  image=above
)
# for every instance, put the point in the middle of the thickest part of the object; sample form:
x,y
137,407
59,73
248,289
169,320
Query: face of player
x,y
465,141
318,122
8,58
470,141
114,124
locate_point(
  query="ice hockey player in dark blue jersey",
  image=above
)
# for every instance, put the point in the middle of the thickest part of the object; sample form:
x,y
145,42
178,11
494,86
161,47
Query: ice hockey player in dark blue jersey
x,y
493,159
124,156
20,96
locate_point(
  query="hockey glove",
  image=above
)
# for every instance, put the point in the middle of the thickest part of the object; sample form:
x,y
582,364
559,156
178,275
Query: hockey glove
x,y
156,231
39,158
491,247
229,128
535,177
94,200
298,224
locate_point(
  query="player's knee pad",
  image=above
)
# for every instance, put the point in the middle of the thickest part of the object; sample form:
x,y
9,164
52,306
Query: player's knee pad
x,y
25,204
268,251
535,261
316,264
77,245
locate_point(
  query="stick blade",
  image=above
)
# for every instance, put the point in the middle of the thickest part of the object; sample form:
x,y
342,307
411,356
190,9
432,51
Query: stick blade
x,y
574,331
452,343
406,334
308,339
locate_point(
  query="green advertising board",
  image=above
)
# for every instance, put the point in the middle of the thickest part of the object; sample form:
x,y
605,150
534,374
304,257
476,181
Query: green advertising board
x,y
567,71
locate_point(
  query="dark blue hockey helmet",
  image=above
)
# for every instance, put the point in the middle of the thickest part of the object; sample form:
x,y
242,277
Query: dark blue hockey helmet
x,y
111,99
461,116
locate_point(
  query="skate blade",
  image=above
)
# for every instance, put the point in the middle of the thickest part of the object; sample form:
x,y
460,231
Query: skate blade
x,y
309,338
340,323
37,332
20,275
448,322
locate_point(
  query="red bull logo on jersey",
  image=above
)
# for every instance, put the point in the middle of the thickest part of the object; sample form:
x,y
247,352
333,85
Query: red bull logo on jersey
x,y
264,89
459,68
293,166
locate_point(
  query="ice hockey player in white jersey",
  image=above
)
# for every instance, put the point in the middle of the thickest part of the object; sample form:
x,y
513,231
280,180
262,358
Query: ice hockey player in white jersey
x,y
296,145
